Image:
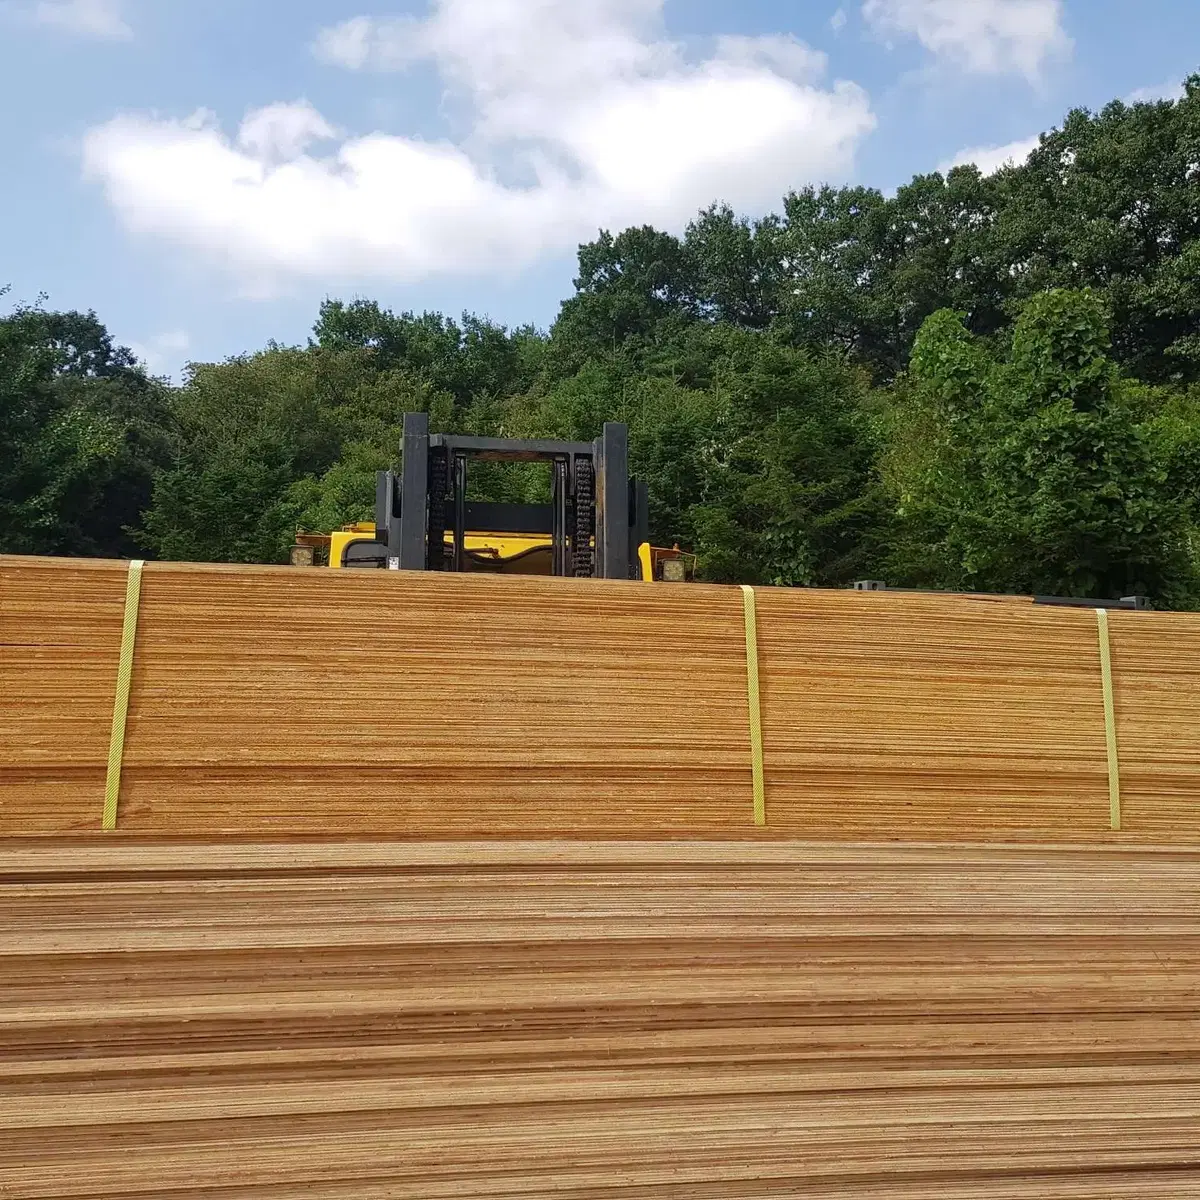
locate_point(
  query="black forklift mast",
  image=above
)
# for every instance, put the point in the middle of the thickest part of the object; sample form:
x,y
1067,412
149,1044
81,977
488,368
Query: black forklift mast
x,y
596,519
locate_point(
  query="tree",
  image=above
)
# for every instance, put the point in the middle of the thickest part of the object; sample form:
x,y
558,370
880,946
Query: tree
x,y
1110,201
287,438
82,433
738,267
758,456
475,359
632,289
788,493
1035,470
248,428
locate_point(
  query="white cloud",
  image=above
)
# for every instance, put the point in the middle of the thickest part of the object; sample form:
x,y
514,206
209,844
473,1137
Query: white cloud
x,y
989,37
782,53
1171,90
163,353
989,159
84,18
282,132
838,21
351,44
601,119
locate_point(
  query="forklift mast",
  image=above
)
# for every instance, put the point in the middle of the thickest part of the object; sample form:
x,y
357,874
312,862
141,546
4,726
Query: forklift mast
x,y
596,519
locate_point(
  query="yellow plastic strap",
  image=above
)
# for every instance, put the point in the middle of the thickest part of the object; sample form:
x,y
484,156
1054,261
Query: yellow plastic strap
x,y
756,740
1110,722
116,744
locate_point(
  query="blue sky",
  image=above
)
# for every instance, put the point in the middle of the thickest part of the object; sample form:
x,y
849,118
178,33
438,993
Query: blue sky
x,y
203,172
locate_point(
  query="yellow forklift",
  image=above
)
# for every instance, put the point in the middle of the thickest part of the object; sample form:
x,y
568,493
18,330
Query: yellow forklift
x,y
595,526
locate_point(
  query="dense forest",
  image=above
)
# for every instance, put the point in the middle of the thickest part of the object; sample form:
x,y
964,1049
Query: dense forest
x,y
986,383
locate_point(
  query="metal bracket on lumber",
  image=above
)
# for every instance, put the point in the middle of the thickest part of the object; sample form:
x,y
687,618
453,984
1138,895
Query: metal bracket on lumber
x,y
1131,603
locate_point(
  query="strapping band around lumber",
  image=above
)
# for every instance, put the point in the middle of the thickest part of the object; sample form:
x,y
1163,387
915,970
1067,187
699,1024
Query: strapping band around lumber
x,y
116,743
1110,721
756,740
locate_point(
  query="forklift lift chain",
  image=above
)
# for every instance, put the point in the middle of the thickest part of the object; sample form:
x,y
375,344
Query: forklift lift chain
x,y
582,554
439,479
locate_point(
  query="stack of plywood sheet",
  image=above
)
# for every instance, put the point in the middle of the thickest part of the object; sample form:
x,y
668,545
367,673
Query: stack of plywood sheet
x,y
639,1021
270,702
667,1001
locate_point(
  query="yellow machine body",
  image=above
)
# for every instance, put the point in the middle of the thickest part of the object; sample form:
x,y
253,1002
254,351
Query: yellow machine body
x,y
501,553
501,547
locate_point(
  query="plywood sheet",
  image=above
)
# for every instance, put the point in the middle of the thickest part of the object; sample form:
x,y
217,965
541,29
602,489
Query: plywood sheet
x,y
271,702
625,1020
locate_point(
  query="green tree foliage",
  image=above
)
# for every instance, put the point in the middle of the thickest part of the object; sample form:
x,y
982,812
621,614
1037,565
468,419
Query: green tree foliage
x,y
738,267
788,495
1112,201
1035,469
277,440
469,362
83,432
983,382
758,455
633,289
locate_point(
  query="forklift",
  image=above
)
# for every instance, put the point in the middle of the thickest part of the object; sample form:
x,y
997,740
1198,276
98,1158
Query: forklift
x,y
596,525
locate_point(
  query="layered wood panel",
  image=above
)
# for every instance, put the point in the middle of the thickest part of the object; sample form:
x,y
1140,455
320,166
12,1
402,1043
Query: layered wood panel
x,y
277,702
1156,675
899,715
273,700
60,641
636,1021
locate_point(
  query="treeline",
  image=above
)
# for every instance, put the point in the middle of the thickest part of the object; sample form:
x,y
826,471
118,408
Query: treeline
x,y
987,383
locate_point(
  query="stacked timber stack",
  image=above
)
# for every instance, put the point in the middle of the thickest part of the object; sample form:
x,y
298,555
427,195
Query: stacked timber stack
x,y
282,916
626,1021
266,702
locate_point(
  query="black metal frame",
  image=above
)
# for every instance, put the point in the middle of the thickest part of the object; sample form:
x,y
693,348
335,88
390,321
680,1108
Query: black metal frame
x,y
414,494
1131,603
596,519
1127,603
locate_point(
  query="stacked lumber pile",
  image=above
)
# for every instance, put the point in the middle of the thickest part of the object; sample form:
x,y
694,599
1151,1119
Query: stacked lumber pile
x,y
431,1002
269,702
638,1021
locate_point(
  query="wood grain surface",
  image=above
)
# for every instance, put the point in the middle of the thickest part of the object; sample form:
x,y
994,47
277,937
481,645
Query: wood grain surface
x,y
636,1021
275,702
